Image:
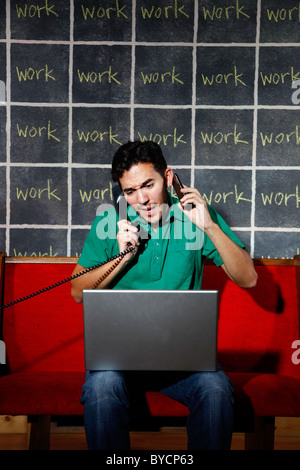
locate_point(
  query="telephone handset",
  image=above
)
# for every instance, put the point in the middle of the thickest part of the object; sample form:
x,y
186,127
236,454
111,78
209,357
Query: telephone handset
x,y
121,206
120,202
177,185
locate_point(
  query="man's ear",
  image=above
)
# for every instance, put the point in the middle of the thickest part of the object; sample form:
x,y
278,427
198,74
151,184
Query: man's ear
x,y
169,177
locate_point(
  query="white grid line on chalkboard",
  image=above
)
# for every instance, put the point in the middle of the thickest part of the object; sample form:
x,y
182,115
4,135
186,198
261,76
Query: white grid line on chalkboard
x,y
70,138
182,166
188,167
149,106
87,227
254,139
193,109
155,44
132,73
8,124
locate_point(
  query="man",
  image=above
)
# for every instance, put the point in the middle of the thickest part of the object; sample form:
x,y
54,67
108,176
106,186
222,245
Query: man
x,y
176,238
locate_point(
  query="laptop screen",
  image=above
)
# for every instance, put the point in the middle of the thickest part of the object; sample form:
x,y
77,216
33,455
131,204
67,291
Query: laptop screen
x,y
150,330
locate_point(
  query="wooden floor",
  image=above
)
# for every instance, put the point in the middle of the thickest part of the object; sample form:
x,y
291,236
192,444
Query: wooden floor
x,y
287,437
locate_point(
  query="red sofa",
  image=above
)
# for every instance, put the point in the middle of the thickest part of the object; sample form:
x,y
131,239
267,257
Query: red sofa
x,y
257,346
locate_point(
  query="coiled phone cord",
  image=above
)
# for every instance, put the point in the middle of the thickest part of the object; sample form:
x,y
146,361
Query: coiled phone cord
x,y
117,257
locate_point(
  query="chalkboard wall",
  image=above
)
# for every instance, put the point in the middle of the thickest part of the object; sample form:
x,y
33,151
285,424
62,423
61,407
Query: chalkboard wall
x,y
211,81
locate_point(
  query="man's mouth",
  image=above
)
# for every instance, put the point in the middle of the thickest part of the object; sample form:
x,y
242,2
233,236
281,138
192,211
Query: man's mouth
x,y
147,210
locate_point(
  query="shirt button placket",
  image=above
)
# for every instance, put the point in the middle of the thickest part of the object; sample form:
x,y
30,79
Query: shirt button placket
x,y
156,265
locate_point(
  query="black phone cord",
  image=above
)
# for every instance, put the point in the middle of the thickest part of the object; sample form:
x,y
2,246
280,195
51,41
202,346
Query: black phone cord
x,y
75,276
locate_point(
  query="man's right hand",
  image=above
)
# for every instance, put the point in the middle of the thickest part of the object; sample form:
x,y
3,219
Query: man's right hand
x,y
127,237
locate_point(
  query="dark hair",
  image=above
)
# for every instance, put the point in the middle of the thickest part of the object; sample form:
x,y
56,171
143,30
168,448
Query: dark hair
x,y
136,152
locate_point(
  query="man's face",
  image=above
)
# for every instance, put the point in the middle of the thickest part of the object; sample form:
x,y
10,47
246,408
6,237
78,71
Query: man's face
x,y
145,190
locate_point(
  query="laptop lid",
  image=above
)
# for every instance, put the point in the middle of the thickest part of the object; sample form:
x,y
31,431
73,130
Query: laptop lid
x,y
150,330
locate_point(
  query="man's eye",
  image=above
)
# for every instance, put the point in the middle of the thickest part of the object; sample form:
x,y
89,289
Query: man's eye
x,y
149,185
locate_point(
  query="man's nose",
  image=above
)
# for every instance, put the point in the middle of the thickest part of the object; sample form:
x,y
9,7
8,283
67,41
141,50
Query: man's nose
x,y
142,197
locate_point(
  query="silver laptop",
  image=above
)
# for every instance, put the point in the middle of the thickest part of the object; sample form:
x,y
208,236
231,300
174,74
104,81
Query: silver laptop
x,y
151,330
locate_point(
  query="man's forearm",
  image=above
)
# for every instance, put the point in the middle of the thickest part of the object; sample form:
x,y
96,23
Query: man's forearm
x,y
237,263
91,279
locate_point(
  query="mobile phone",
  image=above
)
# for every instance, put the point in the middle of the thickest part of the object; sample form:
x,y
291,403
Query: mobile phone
x,y
177,184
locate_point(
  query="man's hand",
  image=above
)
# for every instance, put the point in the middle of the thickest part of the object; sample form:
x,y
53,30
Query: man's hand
x,y
127,237
195,208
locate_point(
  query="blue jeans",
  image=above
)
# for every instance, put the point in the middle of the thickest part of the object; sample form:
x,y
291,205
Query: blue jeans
x,y
208,396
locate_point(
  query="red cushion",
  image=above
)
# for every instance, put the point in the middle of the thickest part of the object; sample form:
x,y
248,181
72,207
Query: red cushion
x,y
274,395
45,332
45,351
257,326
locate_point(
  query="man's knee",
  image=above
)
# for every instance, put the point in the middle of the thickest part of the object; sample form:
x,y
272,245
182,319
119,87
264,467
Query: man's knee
x,y
214,383
102,385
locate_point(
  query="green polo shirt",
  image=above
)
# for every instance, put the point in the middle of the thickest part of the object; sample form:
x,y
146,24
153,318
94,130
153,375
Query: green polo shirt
x,y
169,258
